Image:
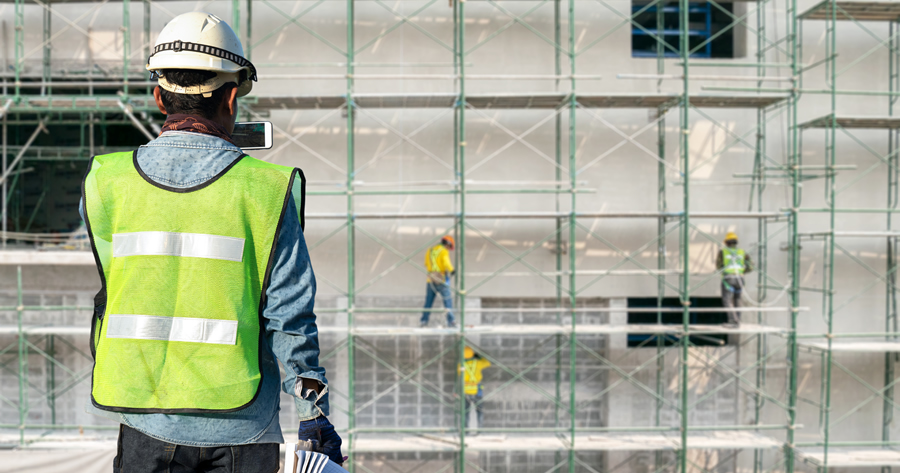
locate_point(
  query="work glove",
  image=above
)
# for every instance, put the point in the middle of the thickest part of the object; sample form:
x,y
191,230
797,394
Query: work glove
x,y
327,441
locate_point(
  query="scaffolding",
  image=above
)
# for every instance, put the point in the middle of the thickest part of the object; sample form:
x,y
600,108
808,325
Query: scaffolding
x,y
41,96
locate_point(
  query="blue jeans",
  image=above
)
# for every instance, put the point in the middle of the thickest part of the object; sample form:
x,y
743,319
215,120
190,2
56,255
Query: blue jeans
x,y
474,400
444,290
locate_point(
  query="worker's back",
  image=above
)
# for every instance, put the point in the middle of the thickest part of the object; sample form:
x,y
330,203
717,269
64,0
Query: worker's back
x,y
472,373
437,259
181,265
733,261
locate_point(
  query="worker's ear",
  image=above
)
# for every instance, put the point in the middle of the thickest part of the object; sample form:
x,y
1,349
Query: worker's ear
x,y
157,96
230,102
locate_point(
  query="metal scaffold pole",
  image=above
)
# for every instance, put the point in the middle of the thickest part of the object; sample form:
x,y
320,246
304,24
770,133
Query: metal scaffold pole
x,y
19,47
23,358
684,141
249,34
759,183
573,222
126,45
236,17
4,204
148,45
662,207
461,231
558,241
893,195
46,37
351,234
793,160
830,196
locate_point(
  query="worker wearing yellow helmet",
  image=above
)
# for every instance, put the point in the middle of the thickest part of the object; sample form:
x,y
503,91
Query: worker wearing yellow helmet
x,y
472,376
438,269
733,262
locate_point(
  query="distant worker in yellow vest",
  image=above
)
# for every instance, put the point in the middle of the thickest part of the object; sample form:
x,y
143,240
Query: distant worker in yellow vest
x,y
439,268
734,263
472,377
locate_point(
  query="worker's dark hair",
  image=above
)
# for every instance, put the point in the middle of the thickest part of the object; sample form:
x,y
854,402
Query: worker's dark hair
x,y
191,104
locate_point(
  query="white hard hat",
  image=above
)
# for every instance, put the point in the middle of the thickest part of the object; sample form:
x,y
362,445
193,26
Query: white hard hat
x,y
204,42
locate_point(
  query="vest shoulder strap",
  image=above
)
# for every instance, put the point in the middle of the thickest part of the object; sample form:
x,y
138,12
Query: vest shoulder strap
x,y
297,184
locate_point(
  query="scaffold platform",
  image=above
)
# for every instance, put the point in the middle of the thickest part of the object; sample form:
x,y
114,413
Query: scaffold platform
x,y
877,123
854,346
852,458
859,11
487,329
733,440
486,442
495,101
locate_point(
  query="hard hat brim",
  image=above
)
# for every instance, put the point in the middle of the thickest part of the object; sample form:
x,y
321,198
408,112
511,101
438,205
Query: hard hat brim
x,y
207,88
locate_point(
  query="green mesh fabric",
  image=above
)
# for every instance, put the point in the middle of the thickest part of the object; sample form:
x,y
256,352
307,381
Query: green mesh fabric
x,y
153,375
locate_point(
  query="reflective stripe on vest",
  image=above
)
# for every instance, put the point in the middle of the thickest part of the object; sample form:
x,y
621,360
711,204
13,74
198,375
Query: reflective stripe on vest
x,y
435,252
733,261
178,244
184,272
173,329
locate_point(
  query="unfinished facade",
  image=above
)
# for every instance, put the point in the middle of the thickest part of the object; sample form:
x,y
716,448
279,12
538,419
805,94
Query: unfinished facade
x,y
587,155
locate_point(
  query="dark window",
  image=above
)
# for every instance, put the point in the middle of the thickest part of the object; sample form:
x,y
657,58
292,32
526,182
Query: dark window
x,y
706,22
45,191
637,340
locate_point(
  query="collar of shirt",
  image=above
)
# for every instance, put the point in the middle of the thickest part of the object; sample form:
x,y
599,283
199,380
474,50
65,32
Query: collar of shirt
x,y
184,159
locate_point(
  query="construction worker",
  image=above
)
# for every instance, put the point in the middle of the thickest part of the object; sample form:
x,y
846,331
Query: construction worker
x,y
734,263
472,376
439,269
206,278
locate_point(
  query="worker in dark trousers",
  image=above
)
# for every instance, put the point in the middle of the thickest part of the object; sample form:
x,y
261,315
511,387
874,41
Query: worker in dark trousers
x,y
733,262
206,279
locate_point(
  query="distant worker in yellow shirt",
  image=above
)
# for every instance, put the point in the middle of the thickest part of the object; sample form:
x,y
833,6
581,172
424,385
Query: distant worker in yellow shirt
x,y
472,377
734,263
439,267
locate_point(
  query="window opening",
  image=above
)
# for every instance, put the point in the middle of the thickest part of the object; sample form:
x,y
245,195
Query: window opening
x,y
704,22
644,340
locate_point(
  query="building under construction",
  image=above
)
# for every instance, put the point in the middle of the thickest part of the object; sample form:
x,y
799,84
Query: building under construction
x,y
587,155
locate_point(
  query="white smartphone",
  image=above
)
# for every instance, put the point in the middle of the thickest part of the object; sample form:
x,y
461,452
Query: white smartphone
x,y
252,135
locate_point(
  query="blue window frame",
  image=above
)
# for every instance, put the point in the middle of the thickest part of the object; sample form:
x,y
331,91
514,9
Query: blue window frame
x,y
704,22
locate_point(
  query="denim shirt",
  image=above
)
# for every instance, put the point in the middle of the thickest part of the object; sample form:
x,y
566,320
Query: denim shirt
x,y
183,159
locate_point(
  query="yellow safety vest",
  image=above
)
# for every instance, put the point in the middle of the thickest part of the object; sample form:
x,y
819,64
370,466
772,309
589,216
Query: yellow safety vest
x,y
184,275
733,261
472,375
